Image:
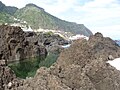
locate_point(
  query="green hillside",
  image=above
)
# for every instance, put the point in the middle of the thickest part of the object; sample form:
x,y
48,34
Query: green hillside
x,y
6,18
7,9
6,13
37,18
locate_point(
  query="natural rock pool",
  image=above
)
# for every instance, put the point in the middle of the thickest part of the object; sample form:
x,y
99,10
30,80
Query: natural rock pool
x,y
28,67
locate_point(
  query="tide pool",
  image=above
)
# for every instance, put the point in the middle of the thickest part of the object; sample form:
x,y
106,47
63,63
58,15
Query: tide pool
x,y
28,67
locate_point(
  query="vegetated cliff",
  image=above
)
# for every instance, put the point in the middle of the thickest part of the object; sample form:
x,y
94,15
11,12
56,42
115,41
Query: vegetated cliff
x,y
14,45
42,19
7,9
81,67
6,13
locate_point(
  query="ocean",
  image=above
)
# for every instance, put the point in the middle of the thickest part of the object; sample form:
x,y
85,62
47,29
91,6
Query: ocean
x,y
118,42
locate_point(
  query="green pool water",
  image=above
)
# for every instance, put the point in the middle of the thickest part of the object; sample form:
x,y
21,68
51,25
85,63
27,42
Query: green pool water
x,y
28,67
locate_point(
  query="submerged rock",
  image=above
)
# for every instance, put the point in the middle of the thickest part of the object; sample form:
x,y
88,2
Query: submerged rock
x,y
81,67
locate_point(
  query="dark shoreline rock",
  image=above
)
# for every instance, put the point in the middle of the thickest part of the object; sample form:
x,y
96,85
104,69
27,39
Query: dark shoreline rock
x,y
81,67
8,79
15,46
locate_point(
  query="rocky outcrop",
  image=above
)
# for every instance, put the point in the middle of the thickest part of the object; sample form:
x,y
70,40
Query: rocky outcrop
x,y
15,46
51,41
18,45
81,67
7,9
8,79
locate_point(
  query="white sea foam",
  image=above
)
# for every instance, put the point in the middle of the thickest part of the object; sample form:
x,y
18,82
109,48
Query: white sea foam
x,y
115,63
66,46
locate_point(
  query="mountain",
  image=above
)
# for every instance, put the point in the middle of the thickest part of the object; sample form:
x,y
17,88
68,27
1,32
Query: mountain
x,y
6,13
5,18
118,42
37,18
7,9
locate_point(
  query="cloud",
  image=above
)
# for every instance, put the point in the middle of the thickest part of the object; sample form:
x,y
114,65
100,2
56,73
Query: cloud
x,y
58,6
99,3
99,9
100,15
54,7
108,31
17,3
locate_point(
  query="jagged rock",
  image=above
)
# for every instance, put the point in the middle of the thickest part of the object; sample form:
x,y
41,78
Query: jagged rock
x,y
18,45
81,67
8,79
52,42
15,46
2,63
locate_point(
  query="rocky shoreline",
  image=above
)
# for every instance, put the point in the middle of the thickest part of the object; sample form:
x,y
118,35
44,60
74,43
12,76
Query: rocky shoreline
x,y
82,66
17,45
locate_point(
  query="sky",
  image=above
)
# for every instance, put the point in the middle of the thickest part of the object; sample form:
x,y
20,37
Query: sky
x,y
97,15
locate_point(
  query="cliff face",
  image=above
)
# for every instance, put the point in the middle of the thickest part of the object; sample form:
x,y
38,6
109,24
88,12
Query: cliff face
x,y
15,46
81,67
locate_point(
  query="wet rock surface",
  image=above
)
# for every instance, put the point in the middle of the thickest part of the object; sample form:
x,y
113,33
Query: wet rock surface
x,y
81,67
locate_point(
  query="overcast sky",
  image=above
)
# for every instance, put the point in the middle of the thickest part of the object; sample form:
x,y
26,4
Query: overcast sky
x,y
98,15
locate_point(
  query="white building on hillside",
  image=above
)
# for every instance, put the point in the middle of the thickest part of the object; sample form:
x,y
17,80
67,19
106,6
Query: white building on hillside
x,y
78,36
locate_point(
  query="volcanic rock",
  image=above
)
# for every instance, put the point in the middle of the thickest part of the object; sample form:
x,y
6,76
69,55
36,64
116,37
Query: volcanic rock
x,y
15,46
81,67
8,79
51,41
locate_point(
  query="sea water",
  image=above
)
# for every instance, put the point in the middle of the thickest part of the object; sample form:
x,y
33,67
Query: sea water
x,y
28,67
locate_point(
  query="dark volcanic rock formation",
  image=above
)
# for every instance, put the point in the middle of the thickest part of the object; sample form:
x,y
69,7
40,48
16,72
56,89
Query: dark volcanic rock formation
x,y
8,79
18,45
15,46
6,76
81,67
51,41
